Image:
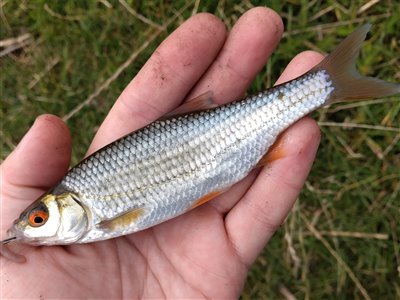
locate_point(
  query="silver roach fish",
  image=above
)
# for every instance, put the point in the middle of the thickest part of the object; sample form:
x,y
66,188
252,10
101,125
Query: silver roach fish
x,y
181,161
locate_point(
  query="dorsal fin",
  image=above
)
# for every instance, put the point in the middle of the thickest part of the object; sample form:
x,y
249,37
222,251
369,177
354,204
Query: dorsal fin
x,y
202,102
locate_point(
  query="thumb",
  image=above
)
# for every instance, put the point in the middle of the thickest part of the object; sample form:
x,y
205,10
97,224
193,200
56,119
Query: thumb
x,y
38,162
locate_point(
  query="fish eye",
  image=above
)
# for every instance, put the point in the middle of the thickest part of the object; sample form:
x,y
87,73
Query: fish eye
x,y
38,216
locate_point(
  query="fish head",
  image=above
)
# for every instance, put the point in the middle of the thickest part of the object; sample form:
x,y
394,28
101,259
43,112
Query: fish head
x,y
51,220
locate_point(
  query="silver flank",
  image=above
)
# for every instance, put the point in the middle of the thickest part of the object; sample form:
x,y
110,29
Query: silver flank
x,y
165,167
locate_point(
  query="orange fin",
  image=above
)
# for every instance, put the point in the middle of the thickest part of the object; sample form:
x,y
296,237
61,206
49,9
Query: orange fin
x,y
123,220
205,199
275,152
202,102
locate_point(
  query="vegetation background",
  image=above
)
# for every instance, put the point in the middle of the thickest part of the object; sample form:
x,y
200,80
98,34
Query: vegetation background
x,y
73,58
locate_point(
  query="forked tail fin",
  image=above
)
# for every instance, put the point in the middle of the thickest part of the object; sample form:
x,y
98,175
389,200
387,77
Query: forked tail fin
x,y
348,83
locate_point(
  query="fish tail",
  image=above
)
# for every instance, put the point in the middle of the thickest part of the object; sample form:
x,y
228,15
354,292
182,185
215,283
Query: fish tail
x,y
347,82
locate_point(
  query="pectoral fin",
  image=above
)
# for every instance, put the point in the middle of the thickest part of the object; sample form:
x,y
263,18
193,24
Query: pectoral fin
x,y
123,220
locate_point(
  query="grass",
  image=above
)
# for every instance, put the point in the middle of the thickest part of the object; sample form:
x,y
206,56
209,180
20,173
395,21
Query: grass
x,y
342,239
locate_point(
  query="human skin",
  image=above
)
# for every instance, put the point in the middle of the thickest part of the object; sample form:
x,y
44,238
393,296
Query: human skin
x,y
205,253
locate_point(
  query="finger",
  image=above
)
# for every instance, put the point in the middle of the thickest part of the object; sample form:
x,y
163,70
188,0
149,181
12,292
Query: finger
x,y
265,205
249,45
165,79
299,65
39,161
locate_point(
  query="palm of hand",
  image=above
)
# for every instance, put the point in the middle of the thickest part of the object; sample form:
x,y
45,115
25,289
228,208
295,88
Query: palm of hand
x,y
190,256
204,253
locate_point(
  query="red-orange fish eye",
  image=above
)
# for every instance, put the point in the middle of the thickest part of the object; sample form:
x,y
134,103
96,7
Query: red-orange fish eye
x,y
38,218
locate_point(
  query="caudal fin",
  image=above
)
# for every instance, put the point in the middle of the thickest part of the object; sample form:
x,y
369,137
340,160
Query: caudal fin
x,y
348,83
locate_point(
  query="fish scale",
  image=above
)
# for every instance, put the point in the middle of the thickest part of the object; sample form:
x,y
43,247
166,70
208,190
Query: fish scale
x,y
177,163
224,144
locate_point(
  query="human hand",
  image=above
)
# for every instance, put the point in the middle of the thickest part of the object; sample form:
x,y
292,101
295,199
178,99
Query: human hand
x,y
203,253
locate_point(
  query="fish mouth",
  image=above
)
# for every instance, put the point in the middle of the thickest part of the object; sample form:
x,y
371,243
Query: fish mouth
x,y
11,236
14,237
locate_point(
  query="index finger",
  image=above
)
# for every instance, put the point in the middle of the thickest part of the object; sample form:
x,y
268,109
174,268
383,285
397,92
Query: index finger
x,y
165,79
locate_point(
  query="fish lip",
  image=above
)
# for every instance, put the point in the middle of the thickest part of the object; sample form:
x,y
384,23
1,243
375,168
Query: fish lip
x,y
13,232
11,236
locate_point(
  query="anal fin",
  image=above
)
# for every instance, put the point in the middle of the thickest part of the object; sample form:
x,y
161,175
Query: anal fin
x,y
206,198
275,152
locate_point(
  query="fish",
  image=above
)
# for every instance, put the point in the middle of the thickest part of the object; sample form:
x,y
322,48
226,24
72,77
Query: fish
x,y
188,157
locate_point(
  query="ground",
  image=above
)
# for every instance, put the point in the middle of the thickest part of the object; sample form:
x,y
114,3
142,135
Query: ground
x,y
342,239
